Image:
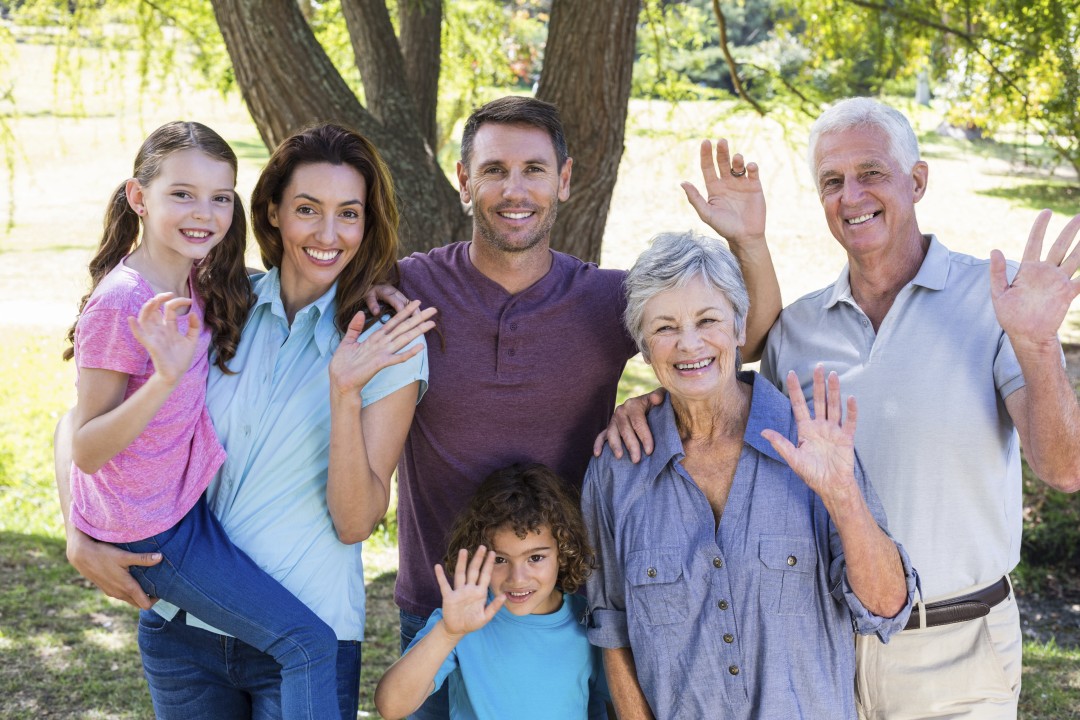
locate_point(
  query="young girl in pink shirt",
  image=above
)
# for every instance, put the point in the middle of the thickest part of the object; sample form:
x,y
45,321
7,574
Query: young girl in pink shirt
x,y
144,448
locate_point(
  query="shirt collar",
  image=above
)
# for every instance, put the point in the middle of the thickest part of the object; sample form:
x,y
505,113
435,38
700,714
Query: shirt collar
x,y
267,288
769,408
932,274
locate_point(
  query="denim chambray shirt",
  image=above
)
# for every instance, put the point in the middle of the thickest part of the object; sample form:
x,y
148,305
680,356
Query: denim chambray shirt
x,y
750,620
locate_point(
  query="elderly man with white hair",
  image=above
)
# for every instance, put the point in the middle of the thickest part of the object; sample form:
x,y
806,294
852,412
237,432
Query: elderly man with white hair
x,y
956,364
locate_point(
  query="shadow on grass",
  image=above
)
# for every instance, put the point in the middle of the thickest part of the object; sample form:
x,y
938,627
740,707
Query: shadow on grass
x,y
1050,689
66,650
382,643
1062,199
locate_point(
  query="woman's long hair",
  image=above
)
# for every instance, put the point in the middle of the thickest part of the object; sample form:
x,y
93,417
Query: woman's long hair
x,y
376,259
221,279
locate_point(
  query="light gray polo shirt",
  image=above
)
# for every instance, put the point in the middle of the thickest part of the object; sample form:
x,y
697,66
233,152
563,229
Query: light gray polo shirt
x,y
933,433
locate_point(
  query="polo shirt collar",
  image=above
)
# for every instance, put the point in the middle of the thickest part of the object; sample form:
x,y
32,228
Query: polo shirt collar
x,y
932,274
267,289
769,408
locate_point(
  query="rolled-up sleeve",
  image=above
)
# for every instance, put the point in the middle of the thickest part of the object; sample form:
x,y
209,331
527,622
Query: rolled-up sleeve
x,y
863,621
605,587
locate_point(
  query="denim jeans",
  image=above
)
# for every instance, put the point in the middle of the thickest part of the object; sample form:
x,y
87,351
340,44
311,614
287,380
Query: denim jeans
x,y
203,573
437,706
195,674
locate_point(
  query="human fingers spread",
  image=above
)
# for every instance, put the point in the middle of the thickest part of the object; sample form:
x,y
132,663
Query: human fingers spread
x,y
389,295
832,398
1033,248
795,394
473,573
486,569
444,583
695,198
460,568
820,407
999,279
148,313
723,155
1057,254
852,418
494,606
708,169
416,324
738,165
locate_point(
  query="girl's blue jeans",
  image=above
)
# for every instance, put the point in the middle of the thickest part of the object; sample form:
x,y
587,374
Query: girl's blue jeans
x,y
203,573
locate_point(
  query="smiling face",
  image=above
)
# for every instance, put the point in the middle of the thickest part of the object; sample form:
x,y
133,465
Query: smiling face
x,y
691,341
321,220
514,185
187,208
868,197
526,570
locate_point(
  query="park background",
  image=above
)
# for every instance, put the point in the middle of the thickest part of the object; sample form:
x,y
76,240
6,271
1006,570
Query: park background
x,y
82,83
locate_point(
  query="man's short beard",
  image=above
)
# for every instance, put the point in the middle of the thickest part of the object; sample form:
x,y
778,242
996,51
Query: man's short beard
x,y
497,240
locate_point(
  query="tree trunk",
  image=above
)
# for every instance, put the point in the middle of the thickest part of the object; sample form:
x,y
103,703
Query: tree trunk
x,y
421,45
588,64
288,81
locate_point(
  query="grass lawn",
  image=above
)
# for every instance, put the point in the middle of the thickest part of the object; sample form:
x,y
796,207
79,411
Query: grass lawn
x,y
68,651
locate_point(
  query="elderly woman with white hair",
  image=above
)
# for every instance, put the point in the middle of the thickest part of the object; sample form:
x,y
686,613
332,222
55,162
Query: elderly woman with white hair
x,y
737,558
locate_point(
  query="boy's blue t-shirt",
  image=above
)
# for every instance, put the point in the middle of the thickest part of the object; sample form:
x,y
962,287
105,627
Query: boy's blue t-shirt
x,y
531,666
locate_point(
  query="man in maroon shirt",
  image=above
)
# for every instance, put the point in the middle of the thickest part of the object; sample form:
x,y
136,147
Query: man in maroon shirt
x,y
532,344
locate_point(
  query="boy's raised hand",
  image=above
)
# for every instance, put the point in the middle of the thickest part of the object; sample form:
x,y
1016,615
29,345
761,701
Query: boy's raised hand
x,y
465,607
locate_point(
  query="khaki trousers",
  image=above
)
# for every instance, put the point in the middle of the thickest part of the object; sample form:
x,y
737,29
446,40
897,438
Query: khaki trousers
x,y
964,670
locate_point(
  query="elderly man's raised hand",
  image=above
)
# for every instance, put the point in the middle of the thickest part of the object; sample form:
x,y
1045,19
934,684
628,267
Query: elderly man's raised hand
x,y
1032,307
825,455
465,606
734,204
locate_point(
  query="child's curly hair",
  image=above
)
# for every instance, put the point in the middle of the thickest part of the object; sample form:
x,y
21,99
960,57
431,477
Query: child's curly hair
x,y
526,497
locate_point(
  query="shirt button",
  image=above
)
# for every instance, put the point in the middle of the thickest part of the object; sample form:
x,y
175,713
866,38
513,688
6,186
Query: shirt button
x,y
511,352
723,605
651,572
733,669
717,563
729,638
791,560
513,326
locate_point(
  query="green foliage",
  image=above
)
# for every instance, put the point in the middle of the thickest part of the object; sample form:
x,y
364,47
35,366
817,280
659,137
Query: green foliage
x,y
487,46
678,51
1051,525
999,64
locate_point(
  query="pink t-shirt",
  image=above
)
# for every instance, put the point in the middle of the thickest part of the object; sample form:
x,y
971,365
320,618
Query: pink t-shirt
x,y
147,487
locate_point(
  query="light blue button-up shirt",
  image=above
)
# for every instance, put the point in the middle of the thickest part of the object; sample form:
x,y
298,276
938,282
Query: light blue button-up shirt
x,y
751,619
273,417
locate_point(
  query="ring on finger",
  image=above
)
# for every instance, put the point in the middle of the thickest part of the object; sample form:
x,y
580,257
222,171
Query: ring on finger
x,y
738,173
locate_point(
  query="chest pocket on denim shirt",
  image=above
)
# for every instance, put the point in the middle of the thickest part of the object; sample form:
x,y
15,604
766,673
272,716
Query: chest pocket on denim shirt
x,y
656,585
787,582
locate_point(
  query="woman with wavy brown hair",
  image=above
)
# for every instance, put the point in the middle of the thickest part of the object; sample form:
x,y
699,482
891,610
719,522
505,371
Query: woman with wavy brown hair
x,y
313,419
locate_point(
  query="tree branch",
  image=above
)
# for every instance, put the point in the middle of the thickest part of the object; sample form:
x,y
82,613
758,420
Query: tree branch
x,y
382,67
733,67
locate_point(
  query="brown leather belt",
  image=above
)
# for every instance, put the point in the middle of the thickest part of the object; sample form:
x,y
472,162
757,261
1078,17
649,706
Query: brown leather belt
x,y
962,608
